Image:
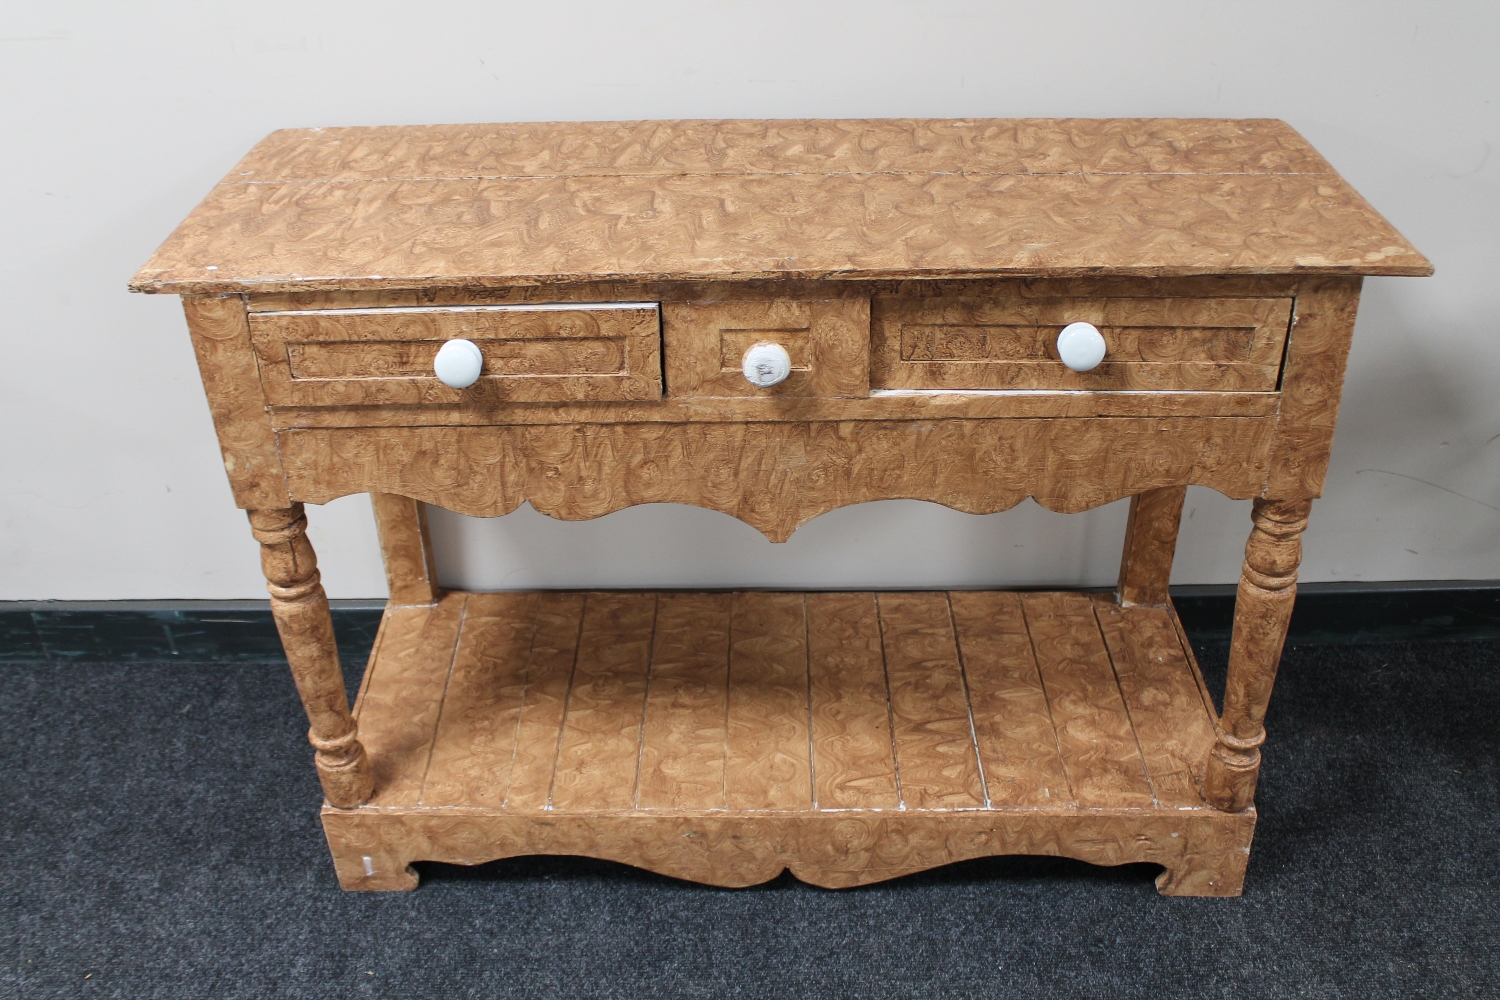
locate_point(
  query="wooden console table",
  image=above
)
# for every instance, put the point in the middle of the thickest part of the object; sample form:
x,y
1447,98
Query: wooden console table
x,y
911,279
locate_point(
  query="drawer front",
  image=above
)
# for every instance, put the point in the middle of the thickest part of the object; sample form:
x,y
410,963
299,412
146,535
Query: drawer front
x,y
828,341
1174,344
532,353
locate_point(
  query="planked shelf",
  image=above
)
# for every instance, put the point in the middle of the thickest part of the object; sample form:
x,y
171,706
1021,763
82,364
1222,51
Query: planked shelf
x,y
724,737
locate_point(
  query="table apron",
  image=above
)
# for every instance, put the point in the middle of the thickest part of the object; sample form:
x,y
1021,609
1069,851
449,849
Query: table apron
x,y
778,476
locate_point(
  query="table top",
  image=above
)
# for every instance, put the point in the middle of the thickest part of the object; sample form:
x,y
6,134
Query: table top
x,y
499,205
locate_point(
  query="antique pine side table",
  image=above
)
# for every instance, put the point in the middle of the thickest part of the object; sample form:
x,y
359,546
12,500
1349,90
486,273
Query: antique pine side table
x,y
775,319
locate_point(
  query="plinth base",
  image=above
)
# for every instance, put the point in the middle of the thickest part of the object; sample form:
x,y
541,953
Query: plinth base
x,y
726,737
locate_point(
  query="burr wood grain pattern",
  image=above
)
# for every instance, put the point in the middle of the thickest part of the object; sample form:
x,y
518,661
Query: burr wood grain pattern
x,y
767,754
352,357
1150,544
406,549
502,205
1013,724
723,737
686,713
932,731
474,737
1169,711
1312,385
884,405
848,705
992,343
829,344
300,610
777,476
917,272
665,148
221,340
784,289
1262,611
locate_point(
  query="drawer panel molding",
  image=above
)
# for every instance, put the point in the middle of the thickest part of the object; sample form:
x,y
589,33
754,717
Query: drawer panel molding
x,y
532,353
1162,344
829,343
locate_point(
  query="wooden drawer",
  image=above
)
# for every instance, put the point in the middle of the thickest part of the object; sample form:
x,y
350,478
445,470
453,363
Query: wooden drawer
x,y
532,353
1205,344
828,341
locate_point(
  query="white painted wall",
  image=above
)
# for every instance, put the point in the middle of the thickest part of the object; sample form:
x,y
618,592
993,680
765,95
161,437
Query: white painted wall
x,y
117,118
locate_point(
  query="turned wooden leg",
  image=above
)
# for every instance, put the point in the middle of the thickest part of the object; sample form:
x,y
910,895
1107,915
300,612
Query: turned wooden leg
x,y
1262,611
1150,543
406,547
301,611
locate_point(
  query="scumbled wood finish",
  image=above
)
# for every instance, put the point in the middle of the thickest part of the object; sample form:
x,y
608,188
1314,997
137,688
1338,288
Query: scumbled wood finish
x,y
603,454
1152,343
406,549
247,440
1262,611
828,341
476,205
1312,385
350,357
300,609
1150,544
777,476
917,272
724,737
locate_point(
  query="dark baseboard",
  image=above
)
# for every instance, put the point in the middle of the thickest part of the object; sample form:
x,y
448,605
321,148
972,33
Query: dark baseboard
x,y
68,631
1349,613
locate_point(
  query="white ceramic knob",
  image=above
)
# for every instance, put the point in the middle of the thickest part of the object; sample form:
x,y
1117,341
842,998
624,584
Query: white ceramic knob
x,y
458,363
766,364
1081,346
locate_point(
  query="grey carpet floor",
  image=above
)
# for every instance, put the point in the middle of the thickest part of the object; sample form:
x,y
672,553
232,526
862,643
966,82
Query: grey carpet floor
x,y
158,838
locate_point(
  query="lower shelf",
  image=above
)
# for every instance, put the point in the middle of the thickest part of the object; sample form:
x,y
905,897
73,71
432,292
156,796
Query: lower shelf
x,y
725,737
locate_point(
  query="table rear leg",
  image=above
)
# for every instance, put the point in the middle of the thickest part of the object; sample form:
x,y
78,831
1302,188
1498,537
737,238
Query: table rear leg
x,y
406,547
1150,544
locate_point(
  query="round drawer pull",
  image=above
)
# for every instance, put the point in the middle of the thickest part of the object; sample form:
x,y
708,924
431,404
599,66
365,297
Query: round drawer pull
x,y
1081,346
458,363
766,364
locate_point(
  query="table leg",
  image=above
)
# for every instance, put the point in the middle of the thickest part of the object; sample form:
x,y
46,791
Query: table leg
x,y
1150,543
300,609
406,547
1262,611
